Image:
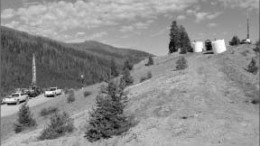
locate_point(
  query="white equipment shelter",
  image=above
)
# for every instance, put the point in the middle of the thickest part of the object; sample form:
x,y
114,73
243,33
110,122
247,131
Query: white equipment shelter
x,y
219,46
197,46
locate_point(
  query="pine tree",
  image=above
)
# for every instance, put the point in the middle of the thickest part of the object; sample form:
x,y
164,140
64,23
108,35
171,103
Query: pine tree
x,y
25,119
113,69
128,65
150,61
235,41
252,67
126,79
108,119
179,39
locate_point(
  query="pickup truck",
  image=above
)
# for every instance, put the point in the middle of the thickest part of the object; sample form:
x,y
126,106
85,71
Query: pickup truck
x,y
16,98
52,92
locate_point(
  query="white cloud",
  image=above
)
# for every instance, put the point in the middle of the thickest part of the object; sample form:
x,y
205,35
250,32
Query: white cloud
x,y
12,24
81,37
206,15
251,4
212,24
7,13
126,28
181,17
66,15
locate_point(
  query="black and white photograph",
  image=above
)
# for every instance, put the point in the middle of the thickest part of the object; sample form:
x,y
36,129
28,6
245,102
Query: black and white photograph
x,y
129,73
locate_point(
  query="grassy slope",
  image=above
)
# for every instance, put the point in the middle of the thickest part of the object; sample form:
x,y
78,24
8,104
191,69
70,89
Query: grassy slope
x,y
202,105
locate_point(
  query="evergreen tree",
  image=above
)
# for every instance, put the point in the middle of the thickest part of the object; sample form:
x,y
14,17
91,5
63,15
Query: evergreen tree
x,y
174,40
235,41
113,69
150,61
128,65
179,39
126,79
252,67
108,119
25,119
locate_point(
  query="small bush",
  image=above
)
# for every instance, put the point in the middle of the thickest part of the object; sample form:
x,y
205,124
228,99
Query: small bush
x,y
71,97
181,64
142,79
235,41
257,47
87,93
47,111
25,119
252,67
60,124
149,75
150,61
66,91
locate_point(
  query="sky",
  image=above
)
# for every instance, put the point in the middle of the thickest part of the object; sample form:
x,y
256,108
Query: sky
x,y
137,24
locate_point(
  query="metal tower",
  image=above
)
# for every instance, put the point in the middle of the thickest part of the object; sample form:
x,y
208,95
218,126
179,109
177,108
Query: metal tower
x,y
247,21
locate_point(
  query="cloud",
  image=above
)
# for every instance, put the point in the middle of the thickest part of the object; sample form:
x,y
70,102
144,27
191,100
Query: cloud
x,y
212,24
251,4
161,32
12,24
137,25
126,28
181,17
206,15
81,37
7,13
64,15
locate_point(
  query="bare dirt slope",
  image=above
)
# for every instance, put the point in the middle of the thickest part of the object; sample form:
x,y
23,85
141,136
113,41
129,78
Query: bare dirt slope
x,y
207,104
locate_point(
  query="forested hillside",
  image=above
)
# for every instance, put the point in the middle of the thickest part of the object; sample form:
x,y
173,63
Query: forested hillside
x,y
58,64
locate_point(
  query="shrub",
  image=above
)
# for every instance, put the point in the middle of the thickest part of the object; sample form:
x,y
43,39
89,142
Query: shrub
x,y
47,111
60,124
150,61
71,97
235,41
181,64
25,119
257,47
87,93
142,79
66,91
252,67
108,118
149,75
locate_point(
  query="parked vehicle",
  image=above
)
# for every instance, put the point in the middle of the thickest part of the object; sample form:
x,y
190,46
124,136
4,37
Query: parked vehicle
x,y
52,92
16,98
34,91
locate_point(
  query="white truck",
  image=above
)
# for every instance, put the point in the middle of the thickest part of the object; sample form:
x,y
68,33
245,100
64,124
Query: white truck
x,y
52,92
16,98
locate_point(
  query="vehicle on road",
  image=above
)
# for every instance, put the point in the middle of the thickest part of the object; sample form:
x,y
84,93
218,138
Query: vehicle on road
x,y
34,91
52,92
16,98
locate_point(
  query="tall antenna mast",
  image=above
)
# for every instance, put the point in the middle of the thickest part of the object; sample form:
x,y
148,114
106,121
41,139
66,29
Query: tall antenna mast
x,y
247,21
33,71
